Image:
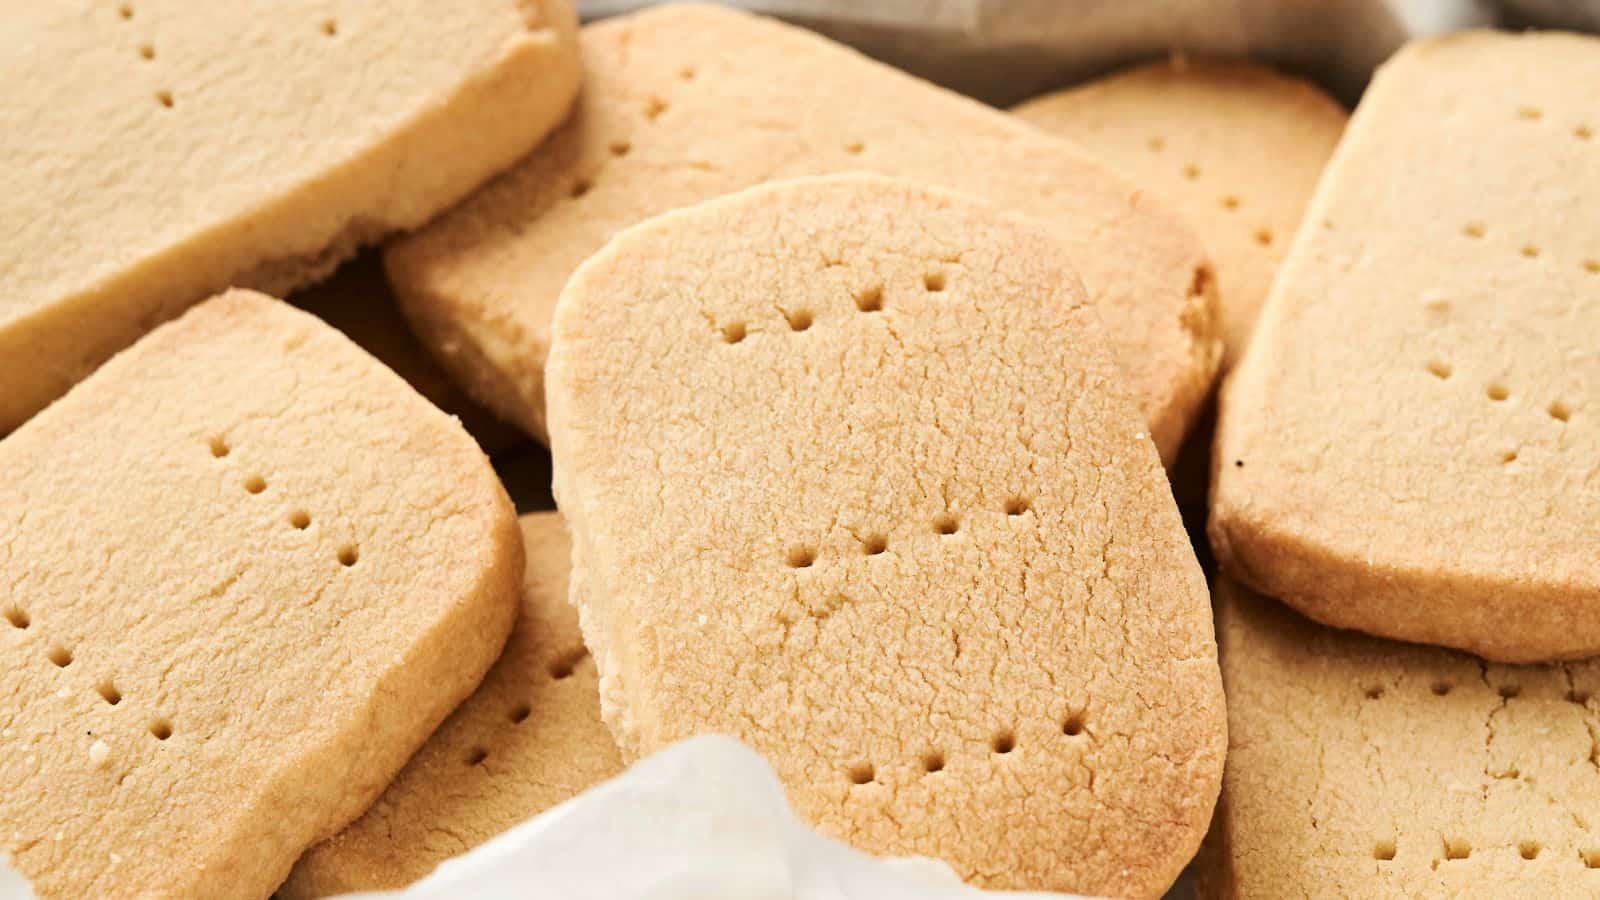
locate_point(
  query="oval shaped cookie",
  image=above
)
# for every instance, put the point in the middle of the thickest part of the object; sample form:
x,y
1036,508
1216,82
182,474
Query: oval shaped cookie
x,y
852,477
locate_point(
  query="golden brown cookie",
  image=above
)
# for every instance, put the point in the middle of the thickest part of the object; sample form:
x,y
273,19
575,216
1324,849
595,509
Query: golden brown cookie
x,y
1360,767
530,738
159,151
1235,147
685,102
1410,446
852,477
247,571
357,301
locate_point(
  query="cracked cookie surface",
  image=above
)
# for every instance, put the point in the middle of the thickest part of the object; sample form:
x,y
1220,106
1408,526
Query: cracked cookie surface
x,y
851,476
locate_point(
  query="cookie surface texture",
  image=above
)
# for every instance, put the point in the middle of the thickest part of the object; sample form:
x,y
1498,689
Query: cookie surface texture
x,y
683,103
852,477
530,738
1363,767
247,572
1235,147
1409,447
165,150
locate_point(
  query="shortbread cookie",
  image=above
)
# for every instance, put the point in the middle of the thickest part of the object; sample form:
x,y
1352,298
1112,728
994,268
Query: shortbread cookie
x,y
683,103
852,477
1410,446
531,737
158,151
1360,767
247,571
1235,147
357,301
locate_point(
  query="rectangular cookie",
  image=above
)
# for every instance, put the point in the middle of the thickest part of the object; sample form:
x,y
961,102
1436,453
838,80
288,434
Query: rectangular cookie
x,y
685,102
1235,147
246,571
1409,448
852,477
528,739
162,150
1361,767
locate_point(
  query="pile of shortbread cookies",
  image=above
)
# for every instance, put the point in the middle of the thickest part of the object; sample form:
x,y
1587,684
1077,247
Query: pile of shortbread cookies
x,y
866,408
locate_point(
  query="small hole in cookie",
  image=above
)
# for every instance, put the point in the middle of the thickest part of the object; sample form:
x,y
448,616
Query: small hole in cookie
x,y
1530,251
1003,742
109,693
1457,849
563,668
1591,858
801,557
686,73
1016,506
348,555
947,524
933,282
1191,171
521,713
580,187
164,98
60,656
1531,113
125,11
733,332
862,773
1560,411
874,544
933,762
300,519
620,148
1508,457
799,320
17,617
1498,392
870,299
161,729
1439,370
147,51
330,28
1230,202
854,148
1583,132
1263,237
476,756
1374,692
1473,230
1529,849
1440,688
654,107
1383,850
1073,725
255,484
219,447
1156,144
1592,266
1508,691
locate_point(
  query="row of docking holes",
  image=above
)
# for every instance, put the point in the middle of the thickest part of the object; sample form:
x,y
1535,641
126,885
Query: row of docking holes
x,y
62,657
299,519
653,107
1230,202
560,670
1455,849
147,49
1001,743
868,300
804,556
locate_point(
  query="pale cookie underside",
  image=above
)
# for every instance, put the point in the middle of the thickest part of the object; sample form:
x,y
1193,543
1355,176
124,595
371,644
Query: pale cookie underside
x,y
247,571
851,477
1411,447
528,739
1235,147
684,103
1360,767
165,150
